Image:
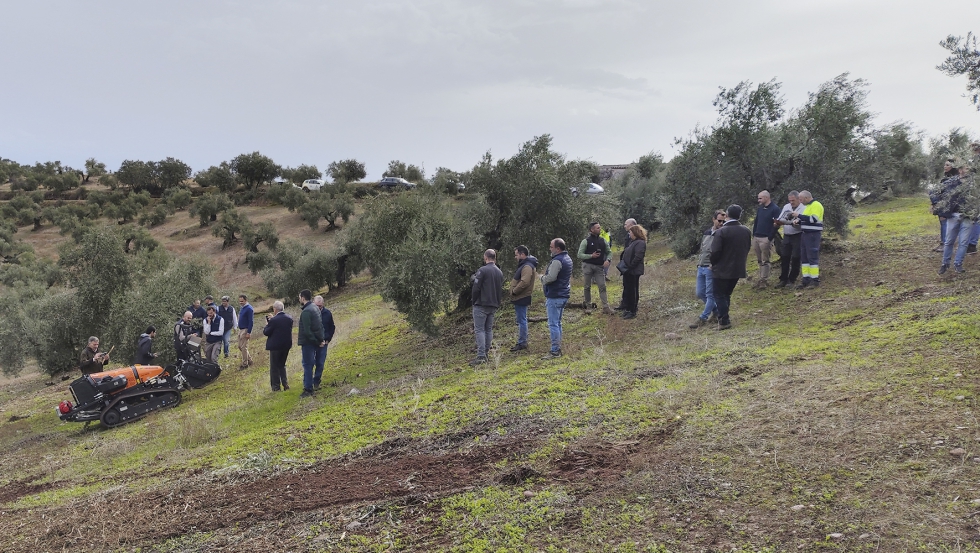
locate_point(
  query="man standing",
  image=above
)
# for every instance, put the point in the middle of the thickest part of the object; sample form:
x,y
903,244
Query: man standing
x,y
704,289
626,242
198,312
214,332
958,225
309,338
329,328
810,221
557,282
183,329
279,329
789,254
245,321
227,312
91,359
144,345
521,287
594,253
763,232
729,248
486,293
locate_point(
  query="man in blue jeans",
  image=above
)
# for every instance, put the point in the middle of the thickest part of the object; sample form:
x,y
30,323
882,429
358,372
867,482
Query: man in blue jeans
x,y
557,288
521,288
704,289
309,338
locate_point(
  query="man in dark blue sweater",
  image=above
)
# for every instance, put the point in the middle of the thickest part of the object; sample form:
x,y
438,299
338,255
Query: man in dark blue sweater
x,y
763,233
245,317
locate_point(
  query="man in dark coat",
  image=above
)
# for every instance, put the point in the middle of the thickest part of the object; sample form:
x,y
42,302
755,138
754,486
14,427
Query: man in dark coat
x,y
486,293
143,347
729,249
279,332
309,338
329,328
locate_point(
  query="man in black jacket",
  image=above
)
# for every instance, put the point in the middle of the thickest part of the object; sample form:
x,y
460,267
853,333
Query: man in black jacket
x,y
279,332
143,347
729,249
488,285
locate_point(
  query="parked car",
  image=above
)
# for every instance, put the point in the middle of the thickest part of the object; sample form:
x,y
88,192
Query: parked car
x,y
310,185
590,188
390,183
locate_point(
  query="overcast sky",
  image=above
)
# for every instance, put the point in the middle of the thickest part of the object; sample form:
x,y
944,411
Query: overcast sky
x,y
440,82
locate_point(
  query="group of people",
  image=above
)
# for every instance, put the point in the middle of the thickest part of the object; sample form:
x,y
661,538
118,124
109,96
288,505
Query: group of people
x,y
726,244
956,201
214,325
217,324
595,253
316,330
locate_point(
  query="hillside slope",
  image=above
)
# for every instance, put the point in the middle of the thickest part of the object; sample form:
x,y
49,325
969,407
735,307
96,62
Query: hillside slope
x,y
841,418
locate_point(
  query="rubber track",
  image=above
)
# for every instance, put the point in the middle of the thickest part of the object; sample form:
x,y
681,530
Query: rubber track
x,y
140,403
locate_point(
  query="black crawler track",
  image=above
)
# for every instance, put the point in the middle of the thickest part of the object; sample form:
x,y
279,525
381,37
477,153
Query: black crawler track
x,y
136,403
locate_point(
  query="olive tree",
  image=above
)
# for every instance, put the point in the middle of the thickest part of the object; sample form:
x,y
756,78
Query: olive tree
x,y
254,169
345,171
964,59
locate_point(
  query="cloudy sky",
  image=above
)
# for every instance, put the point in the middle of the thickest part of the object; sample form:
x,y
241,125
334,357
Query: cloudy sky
x,y
440,82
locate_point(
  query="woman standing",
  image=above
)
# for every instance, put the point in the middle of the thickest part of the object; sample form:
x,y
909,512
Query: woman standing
x,y
633,259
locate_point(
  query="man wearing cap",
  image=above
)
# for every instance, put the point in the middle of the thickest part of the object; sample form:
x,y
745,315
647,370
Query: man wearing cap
x,y
729,250
594,253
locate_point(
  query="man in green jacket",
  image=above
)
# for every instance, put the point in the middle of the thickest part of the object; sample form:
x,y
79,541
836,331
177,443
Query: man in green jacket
x,y
310,338
595,254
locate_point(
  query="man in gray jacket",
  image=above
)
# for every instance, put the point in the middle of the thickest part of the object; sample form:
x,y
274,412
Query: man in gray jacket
x,y
488,285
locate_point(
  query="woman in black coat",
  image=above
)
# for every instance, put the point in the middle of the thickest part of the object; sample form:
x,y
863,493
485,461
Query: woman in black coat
x,y
633,257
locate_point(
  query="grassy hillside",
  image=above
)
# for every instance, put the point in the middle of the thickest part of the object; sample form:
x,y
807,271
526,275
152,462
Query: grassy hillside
x,y
837,419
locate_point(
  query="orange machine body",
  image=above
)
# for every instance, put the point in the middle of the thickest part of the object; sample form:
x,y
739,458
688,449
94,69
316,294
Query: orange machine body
x,y
134,374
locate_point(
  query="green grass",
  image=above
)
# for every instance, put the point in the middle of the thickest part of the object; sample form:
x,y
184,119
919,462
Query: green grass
x,y
834,399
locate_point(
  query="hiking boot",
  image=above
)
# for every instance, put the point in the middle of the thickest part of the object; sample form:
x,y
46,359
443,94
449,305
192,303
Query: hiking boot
x,y
629,315
285,387
939,248
802,285
724,326
943,268
316,387
782,284
552,355
814,283
306,393
698,323
518,347
972,248
478,361
607,311
619,308
958,268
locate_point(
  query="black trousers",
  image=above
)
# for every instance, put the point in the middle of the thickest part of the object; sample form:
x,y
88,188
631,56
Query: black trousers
x,y
631,292
277,367
789,258
723,288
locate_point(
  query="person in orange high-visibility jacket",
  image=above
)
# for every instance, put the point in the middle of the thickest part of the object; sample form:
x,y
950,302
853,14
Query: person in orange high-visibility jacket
x,y
810,221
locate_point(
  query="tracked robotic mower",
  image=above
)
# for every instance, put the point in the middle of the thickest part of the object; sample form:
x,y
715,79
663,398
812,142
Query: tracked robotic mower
x,y
129,393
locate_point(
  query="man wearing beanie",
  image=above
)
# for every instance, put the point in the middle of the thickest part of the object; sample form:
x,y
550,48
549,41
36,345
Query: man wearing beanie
x,y
729,250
